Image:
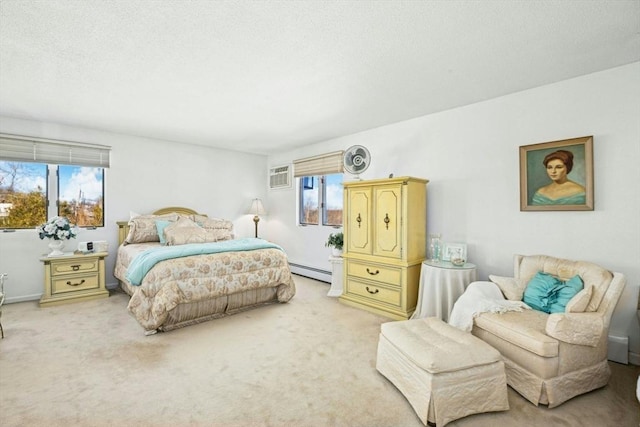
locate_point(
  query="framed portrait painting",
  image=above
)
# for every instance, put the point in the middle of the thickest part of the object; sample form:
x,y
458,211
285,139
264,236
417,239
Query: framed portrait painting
x,y
557,175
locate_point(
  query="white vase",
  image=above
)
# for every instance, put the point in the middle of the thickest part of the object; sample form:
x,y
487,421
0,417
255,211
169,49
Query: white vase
x,y
336,252
56,248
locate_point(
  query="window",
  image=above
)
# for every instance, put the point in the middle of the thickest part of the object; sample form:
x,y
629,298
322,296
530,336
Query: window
x,y
81,195
332,200
320,187
28,196
24,197
23,194
321,197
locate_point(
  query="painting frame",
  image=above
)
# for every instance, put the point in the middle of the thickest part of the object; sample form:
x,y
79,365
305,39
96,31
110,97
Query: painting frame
x,y
536,183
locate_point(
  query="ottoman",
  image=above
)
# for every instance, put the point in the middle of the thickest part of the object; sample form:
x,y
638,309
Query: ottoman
x,y
444,372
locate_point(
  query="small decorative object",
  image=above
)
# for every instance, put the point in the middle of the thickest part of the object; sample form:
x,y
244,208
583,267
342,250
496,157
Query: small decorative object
x,y
57,229
335,242
435,248
455,253
456,258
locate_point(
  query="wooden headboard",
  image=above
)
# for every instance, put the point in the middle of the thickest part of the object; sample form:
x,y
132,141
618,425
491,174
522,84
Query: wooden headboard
x,y
123,226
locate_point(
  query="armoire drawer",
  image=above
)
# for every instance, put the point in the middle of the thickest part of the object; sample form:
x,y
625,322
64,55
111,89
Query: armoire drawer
x,y
374,292
383,274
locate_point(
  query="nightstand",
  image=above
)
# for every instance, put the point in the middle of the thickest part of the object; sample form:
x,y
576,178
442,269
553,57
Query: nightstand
x,y
73,277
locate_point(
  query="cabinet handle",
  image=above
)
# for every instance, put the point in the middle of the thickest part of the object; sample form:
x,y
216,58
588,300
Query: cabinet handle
x,y
372,292
373,273
386,220
75,284
75,267
359,220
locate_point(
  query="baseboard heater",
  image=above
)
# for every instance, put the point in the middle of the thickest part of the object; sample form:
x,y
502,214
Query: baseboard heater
x,y
311,272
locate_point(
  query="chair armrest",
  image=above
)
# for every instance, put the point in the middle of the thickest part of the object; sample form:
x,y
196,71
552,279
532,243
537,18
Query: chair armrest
x,y
576,328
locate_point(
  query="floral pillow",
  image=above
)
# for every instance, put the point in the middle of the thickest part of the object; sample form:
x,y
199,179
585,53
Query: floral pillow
x,y
185,231
223,228
142,228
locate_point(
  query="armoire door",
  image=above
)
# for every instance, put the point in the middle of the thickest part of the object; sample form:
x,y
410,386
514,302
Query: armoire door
x,y
387,229
359,217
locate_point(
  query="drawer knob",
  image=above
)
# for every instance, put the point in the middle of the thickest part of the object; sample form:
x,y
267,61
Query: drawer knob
x,y
75,284
373,273
359,220
372,292
75,267
386,220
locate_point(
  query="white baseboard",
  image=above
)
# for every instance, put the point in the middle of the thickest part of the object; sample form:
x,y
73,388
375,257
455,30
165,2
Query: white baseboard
x,y
312,272
23,298
634,358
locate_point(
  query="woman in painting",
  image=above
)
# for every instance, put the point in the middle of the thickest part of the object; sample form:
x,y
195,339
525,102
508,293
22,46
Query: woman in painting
x,y
561,191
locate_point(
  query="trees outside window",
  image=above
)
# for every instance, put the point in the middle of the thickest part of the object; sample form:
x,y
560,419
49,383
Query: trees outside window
x,y
321,197
25,196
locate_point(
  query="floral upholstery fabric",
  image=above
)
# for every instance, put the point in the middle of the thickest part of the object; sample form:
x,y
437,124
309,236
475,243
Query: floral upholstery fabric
x,y
201,277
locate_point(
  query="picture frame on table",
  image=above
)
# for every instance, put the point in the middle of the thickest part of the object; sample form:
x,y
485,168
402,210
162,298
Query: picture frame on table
x,y
557,175
449,248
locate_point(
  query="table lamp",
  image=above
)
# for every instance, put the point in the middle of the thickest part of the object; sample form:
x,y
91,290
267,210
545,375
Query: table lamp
x,y
256,209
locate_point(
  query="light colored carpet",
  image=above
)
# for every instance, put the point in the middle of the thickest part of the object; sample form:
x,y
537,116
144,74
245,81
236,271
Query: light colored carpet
x,y
310,362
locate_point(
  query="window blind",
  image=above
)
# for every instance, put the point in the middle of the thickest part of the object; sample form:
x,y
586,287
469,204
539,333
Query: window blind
x,y
17,148
323,164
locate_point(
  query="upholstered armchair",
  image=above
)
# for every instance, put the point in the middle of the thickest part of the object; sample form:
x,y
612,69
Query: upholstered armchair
x,y
551,358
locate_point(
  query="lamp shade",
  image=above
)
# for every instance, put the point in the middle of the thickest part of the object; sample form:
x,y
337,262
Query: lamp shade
x,y
257,208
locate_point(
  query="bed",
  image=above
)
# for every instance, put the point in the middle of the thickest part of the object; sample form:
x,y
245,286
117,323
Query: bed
x,y
193,275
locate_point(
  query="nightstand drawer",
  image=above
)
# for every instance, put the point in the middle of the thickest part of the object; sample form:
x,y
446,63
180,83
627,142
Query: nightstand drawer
x,y
74,266
75,283
374,292
388,275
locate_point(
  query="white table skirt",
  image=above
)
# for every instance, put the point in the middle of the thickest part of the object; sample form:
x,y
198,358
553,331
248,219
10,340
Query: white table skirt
x,y
441,284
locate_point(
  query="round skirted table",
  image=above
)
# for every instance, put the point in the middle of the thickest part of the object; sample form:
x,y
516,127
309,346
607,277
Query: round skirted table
x,y
441,284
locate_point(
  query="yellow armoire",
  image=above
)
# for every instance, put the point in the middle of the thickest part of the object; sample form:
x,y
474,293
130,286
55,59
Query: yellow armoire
x,y
384,244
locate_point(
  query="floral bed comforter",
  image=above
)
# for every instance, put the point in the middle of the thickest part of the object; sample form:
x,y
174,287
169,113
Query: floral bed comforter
x,y
200,277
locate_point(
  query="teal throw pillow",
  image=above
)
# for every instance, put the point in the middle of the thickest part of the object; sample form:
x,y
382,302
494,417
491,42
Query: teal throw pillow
x,y
568,290
540,291
160,226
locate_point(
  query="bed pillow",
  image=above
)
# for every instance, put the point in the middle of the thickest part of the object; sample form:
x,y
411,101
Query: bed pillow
x,y
565,293
579,303
184,235
223,228
512,288
184,231
160,226
143,229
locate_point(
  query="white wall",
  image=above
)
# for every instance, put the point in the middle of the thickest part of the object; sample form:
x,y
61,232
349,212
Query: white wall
x,y
470,155
145,175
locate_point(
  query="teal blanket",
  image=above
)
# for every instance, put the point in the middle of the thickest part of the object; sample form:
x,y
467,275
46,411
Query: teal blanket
x,y
144,262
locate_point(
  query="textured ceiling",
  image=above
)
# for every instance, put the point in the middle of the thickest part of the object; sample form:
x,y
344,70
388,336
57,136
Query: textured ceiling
x,y
265,77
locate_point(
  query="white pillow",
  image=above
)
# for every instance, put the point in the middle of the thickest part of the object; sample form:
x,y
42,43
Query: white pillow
x,y
512,288
580,301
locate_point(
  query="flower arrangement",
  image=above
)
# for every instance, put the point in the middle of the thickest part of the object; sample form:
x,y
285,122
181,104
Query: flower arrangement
x,y
57,228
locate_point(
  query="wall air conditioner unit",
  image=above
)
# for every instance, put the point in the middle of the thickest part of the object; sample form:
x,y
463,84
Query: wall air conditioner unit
x,y
280,177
